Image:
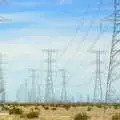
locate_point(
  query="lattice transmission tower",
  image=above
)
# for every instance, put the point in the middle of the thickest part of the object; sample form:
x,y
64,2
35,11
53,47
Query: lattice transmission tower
x,y
2,82
33,95
49,89
26,91
39,96
114,64
98,82
64,98
98,93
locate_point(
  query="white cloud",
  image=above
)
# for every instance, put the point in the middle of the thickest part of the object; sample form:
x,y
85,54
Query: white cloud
x,y
23,16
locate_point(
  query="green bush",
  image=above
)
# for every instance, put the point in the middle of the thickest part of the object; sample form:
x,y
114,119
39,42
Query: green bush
x,y
81,116
116,116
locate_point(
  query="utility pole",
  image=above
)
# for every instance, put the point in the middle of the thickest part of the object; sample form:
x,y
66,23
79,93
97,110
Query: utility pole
x,y
98,95
113,72
64,98
49,90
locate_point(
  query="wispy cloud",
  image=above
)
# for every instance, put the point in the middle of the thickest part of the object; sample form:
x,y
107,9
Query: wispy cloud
x,y
46,19
29,3
64,1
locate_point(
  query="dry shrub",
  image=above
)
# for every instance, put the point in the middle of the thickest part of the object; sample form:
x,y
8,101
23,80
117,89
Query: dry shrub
x,y
15,110
99,105
115,106
116,116
89,108
46,107
81,116
54,108
67,106
32,114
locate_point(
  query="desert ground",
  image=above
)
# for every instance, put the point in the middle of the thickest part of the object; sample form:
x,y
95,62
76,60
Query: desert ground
x,y
59,112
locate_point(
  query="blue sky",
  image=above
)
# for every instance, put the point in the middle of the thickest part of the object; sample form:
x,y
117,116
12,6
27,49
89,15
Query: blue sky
x,y
34,25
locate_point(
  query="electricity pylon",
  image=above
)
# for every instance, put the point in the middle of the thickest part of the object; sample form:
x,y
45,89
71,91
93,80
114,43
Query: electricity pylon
x,y
98,83
49,90
2,82
19,94
98,95
33,87
114,64
39,96
26,91
64,98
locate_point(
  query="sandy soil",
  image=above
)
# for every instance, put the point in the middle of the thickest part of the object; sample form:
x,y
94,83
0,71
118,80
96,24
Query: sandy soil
x,y
63,114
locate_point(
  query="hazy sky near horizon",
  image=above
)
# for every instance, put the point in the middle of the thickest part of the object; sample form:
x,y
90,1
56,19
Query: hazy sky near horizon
x,y
73,27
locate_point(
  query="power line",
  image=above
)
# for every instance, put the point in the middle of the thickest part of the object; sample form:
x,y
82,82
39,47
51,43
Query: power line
x,y
84,37
98,37
76,32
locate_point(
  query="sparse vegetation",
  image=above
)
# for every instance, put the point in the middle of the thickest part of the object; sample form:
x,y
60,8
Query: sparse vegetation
x,y
88,111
